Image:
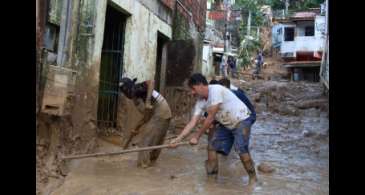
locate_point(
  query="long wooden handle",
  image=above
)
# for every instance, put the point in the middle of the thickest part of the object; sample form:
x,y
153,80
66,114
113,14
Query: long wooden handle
x,y
122,152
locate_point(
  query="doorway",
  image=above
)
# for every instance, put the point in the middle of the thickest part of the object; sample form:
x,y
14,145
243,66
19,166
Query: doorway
x,y
160,62
111,67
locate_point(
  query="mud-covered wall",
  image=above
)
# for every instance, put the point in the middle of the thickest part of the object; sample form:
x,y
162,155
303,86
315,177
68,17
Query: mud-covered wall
x,y
184,54
184,28
41,9
75,132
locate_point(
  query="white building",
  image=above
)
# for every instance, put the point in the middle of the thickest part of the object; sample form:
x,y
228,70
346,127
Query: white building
x,y
300,37
300,40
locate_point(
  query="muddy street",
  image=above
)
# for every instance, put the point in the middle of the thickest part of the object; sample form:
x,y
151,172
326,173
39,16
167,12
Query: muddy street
x,y
130,74
294,146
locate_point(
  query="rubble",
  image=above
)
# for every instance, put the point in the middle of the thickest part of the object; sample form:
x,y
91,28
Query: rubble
x,y
287,98
265,168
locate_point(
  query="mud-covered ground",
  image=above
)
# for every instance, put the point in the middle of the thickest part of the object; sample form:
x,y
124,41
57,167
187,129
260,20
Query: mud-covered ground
x,y
290,135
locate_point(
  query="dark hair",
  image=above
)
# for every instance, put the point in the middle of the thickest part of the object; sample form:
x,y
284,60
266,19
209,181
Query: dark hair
x,y
126,86
197,79
225,82
134,90
213,81
140,90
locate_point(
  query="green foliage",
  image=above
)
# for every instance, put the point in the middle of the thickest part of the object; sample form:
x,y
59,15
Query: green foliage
x,y
294,5
299,5
248,46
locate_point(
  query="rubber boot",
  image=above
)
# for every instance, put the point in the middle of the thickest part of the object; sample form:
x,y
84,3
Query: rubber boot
x,y
250,168
211,165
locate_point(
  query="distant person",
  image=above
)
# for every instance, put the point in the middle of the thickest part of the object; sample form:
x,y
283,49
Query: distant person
x,y
232,66
259,62
223,67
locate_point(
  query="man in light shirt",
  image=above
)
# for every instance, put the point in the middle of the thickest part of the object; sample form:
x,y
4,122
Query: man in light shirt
x,y
233,116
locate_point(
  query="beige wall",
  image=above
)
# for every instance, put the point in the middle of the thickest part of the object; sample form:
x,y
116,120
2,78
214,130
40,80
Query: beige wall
x,y
140,47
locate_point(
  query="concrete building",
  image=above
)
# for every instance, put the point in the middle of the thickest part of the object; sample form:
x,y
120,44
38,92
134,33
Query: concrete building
x,y
300,41
324,72
221,33
85,47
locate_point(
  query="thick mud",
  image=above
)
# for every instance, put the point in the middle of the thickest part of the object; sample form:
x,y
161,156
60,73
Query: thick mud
x,y
290,137
296,147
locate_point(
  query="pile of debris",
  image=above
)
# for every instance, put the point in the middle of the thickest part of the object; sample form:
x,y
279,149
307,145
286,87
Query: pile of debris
x,y
287,98
55,138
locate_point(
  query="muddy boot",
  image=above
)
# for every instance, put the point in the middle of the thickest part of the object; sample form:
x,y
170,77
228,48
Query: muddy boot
x,y
144,159
250,168
211,167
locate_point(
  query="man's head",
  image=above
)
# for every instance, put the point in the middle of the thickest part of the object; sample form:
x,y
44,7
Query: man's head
x,y
213,81
225,82
198,85
127,87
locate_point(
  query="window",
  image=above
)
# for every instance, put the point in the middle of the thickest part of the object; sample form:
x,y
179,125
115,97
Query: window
x,y
52,27
289,34
51,37
309,31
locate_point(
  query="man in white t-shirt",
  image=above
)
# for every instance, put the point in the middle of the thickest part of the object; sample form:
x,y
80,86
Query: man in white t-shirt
x,y
232,114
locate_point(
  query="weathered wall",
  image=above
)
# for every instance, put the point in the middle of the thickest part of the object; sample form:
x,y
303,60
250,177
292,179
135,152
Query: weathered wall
x,y
160,9
185,53
207,63
320,26
184,28
140,46
40,24
76,131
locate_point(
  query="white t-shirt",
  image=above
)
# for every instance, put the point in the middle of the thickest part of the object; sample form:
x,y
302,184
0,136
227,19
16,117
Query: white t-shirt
x,y
233,87
231,111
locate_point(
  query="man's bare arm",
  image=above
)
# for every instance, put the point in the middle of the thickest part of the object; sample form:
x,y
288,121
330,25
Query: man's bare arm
x,y
187,129
207,122
150,87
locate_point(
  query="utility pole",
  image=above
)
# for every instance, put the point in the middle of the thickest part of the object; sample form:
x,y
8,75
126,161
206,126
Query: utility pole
x,y
225,29
249,23
286,7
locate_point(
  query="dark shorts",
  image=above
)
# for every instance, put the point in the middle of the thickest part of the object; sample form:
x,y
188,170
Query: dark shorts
x,y
224,138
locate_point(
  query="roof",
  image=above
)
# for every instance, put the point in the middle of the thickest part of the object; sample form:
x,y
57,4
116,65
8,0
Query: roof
x,y
302,64
304,15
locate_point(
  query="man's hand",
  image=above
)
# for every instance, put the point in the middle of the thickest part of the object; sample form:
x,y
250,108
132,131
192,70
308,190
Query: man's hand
x,y
194,140
173,143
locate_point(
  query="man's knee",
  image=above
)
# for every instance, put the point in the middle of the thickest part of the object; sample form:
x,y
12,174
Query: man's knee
x,y
246,133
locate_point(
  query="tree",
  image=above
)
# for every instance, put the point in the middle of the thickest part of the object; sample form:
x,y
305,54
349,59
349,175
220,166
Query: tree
x,y
251,8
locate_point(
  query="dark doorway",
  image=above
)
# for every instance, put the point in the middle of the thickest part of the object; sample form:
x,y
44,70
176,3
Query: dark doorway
x,y
160,69
217,58
111,67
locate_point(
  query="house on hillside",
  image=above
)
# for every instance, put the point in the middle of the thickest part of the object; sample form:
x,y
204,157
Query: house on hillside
x,y
300,40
